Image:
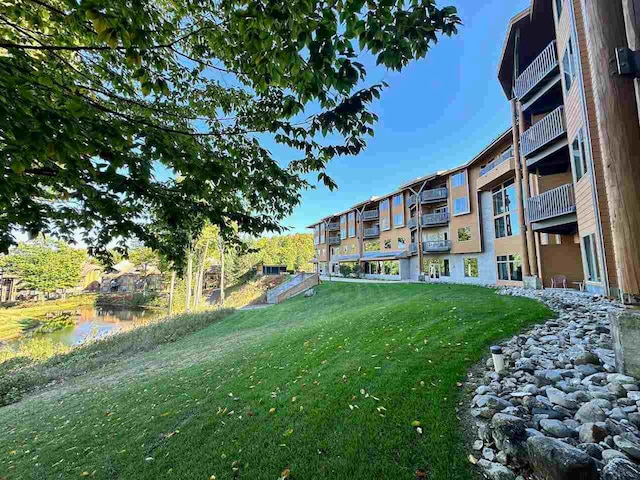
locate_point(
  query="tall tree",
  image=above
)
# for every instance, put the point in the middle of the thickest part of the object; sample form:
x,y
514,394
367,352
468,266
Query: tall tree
x,y
114,113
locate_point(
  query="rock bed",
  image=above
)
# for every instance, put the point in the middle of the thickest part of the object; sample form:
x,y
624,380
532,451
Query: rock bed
x,y
559,410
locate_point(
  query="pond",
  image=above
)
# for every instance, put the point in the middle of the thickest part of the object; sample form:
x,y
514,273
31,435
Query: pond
x,y
96,322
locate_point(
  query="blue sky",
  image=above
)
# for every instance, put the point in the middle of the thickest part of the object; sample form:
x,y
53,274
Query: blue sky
x,y
437,113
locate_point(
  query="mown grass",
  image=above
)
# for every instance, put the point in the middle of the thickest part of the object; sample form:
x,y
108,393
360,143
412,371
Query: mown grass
x,y
10,318
322,388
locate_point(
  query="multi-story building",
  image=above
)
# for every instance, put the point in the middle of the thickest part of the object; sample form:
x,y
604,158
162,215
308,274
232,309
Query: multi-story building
x,y
531,209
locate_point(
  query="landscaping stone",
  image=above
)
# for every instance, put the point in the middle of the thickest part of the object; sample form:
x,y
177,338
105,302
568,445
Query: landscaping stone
x,y
610,454
555,460
592,432
557,429
593,411
496,471
629,445
620,469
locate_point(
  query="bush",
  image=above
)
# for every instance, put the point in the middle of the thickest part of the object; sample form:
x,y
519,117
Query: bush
x,y
38,363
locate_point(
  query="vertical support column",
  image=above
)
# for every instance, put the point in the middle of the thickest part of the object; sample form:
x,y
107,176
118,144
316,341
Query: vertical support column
x,y
631,10
531,243
619,135
526,270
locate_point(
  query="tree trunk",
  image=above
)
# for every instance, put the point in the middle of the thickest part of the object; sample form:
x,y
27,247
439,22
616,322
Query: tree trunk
x,y
221,273
632,23
171,290
188,280
619,134
200,279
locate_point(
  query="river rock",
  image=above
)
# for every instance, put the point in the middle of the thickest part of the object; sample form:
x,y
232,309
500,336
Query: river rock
x,y
496,471
558,397
510,434
629,445
557,429
609,454
592,432
620,469
592,412
553,459
587,358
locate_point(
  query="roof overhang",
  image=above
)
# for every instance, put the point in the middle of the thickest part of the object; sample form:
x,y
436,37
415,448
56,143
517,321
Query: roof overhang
x,y
505,66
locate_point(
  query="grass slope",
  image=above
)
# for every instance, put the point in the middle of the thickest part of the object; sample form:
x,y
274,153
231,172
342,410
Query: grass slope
x,y
327,387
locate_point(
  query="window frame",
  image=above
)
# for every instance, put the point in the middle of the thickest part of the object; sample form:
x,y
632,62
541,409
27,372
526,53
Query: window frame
x,y
467,229
569,66
510,263
507,217
387,244
578,146
459,179
397,224
397,200
343,227
467,204
402,243
592,259
467,273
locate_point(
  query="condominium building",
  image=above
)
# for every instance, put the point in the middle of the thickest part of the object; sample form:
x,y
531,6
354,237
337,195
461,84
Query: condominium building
x,y
530,209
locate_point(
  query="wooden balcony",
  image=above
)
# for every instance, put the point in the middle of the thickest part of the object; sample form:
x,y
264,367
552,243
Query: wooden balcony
x,y
334,240
553,203
412,223
544,132
413,248
434,195
372,232
368,215
539,70
433,219
434,246
333,226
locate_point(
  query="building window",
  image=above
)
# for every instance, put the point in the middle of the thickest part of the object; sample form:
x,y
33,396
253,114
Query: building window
x,y
387,267
384,223
505,211
402,244
316,234
387,244
510,267
459,179
398,220
464,234
471,267
397,200
579,156
591,257
384,204
352,224
322,233
559,4
343,227
569,66
335,251
372,246
461,205
435,268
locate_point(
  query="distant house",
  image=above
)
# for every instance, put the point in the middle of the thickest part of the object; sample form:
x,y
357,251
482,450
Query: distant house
x,y
9,285
91,277
212,277
264,269
126,277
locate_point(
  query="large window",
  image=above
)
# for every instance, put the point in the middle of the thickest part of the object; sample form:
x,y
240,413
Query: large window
x,y
459,179
510,267
352,224
398,220
397,200
372,246
569,67
343,227
436,267
384,223
471,267
316,234
384,205
388,267
461,205
464,234
322,233
505,211
591,257
579,156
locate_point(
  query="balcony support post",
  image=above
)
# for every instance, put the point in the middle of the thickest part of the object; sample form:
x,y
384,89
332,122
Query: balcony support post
x,y
526,188
419,224
515,111
619,135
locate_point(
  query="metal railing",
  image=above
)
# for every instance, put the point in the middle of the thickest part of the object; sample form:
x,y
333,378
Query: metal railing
x,y
508,155
413,222
434,195
549,128
544,64
370,215
553,203
413,248
371,232
333,226
435,219
436,246
334,240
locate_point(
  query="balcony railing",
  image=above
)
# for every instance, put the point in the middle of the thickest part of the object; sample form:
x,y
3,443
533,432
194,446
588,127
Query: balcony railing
x,y
413,248
498,161
411,201
436,246
334,240
413,223
435,219
545,131
371,232
542,66
434,195
553,203
333,226
370,215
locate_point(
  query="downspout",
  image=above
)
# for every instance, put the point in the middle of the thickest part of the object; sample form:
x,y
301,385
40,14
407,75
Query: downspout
x,y
594,191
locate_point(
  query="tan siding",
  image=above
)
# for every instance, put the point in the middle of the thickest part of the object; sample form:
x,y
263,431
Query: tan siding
x,y
470,220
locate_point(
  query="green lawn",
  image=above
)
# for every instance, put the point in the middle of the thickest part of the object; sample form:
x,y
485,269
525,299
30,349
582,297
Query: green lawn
x,y
327,387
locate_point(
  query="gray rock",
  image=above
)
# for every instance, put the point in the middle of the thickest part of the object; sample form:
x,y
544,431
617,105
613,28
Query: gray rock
x,y
557,429
592,433
478,444
553,459
310,293
629,445
617,414
488,454
609,454
587,358
620,378
617,390
493,402
502,458
634,395
620,469
558,397
635,419
510,434
592,449
592,412
495,471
